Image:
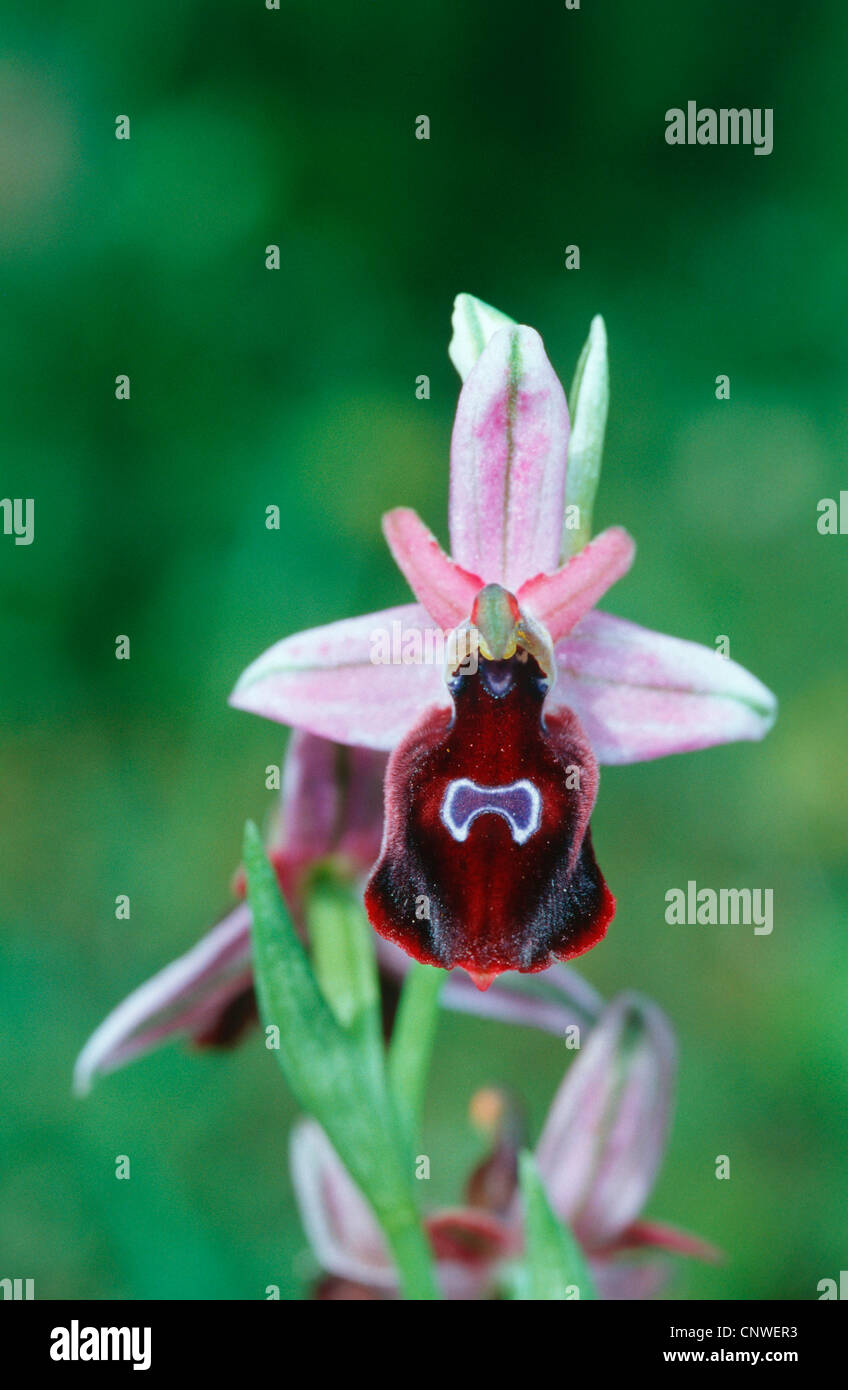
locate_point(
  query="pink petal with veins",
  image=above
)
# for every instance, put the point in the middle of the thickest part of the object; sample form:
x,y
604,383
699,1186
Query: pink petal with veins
x,y
605,1133
331,681
641,695
508,459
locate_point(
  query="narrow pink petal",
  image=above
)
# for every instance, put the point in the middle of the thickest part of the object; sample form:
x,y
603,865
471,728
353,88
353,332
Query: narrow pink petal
x,y
471,1236
551,1001
503,1004
640,694
445,589
184,998
657,1236
561,599
508,456
339,1223
605,1134
361,681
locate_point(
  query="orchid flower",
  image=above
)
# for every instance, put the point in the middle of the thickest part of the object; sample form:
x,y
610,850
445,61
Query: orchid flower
x,y
331,805
598,1157
487,860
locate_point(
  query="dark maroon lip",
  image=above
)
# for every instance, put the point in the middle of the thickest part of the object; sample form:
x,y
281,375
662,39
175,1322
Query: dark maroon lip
x,y
487,858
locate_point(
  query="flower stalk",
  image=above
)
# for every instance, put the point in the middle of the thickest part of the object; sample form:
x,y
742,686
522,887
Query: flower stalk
x,y
342,957
412,1044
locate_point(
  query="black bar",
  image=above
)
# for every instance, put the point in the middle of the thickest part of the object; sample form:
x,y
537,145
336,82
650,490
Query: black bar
x,y
255,1339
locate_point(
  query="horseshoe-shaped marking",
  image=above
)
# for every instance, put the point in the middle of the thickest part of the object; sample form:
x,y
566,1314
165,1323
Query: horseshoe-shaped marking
x,y
519,804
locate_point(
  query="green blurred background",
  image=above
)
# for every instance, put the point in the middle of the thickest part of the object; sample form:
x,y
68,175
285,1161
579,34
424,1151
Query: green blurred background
x,y
296,387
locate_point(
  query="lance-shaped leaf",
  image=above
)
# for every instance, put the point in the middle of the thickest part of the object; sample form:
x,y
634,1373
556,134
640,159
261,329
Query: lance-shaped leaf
x,y
473,324
588,404
555,1264
317,1057
322,1063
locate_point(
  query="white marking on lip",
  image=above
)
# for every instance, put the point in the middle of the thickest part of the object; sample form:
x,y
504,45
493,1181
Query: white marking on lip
x,y
518,803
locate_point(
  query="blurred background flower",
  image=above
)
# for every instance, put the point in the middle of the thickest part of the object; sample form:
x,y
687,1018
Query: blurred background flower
x,y
598,1156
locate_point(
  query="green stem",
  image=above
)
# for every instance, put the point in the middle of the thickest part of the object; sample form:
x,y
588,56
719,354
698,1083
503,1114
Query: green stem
x,y
411,1049
412,1255
343,956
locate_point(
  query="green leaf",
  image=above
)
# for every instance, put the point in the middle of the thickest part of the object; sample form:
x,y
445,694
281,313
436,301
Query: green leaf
x,y
324,1066
343,956
556,1269
411,1048
588,403
313,1051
